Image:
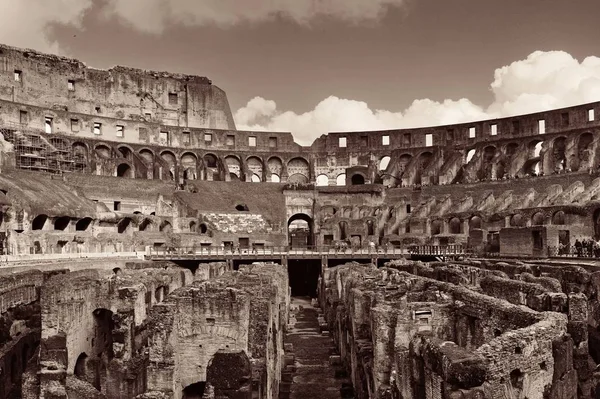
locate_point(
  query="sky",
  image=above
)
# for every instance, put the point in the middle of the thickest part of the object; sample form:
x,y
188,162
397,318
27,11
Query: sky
x,y
315,66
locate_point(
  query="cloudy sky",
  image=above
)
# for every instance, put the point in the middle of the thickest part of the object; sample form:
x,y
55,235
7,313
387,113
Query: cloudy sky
x,y
313,66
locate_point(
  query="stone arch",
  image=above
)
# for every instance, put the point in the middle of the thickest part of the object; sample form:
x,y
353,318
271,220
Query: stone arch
x,y
486,171
424,160
80,366
370,227
103,151
210,160
298,170
322,180
235,167
403,162
126,152
517,220
475,222
357,179
340,180
344,230
123,225
455,226
169,157
584,151
306,236
80,151
436,227
83,224
229,373
538,219
147,156
256,167
203,228
38,222
166,227
146,225
559,158
124,170
511,149
189,164
558,218
384,162
61,223
470,155
192,225
275,167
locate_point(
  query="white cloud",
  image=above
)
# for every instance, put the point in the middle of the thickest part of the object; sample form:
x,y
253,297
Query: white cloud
x,y
153,16
544,80
25,23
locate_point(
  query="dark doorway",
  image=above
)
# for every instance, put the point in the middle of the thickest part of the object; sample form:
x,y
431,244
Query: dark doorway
x,y
303,276
358,179
300,231
194,391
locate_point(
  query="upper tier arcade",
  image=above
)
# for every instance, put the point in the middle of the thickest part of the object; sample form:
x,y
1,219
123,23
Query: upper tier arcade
x,y
59,83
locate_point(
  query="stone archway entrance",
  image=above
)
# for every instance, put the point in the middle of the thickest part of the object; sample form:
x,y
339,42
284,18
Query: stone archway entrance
x,y
300,231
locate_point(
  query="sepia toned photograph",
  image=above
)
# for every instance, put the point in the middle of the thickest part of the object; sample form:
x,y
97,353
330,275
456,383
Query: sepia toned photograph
x,y
299,199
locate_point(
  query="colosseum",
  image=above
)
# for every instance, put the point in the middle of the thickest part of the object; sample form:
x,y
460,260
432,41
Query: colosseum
x,y
151,250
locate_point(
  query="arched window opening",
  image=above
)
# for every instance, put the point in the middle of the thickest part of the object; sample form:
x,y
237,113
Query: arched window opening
x,y
146,223
192,226
517,220
341,180
300,231
61,223
558,218
166,227
358,179
455,226
538,219
83,224
103,151
322,180
203,228
384,163
194,391
470,155
210,161
370,228
475,222
124,170
39,222
275,178
436,227
255,178
123,225
125,153
343,230
80,366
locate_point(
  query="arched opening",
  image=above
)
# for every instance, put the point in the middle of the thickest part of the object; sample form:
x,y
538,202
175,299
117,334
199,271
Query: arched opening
x,y
584,151
275,178
102,346
486,171
322,180
124,170
203,228
103,151
234,166
384,163
62,223
39,222
402,163
343,230
538,219
147,156
558,218
83,224
517,220
189,163
210,161
255,166
424,161
370,228
234,177
192,227
275,166
230,373
300,231
159,294
194,391
166,227
298,170
470,155
455,226
436,227
145,225
475,222
357,179
123,225
242,208
80,367
341,180
559,157
126,153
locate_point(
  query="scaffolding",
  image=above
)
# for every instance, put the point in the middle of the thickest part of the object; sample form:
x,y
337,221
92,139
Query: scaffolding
x,y
34,151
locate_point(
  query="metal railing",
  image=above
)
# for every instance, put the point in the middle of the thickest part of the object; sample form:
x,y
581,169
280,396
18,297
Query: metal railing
x,y
572,251
262,251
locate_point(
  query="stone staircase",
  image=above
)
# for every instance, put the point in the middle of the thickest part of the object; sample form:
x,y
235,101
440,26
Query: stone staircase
x,y
312,367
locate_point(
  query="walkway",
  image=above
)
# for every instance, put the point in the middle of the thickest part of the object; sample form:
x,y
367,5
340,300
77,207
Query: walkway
x,y
309,368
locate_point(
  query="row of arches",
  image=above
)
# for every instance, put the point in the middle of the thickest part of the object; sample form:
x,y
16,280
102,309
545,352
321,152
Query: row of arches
x,y
60,223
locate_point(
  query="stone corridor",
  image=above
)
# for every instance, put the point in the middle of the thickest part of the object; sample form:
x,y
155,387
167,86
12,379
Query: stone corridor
x,y
312,364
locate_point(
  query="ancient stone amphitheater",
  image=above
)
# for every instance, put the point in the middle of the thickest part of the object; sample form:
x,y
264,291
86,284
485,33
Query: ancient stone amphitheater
x,y
150,250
